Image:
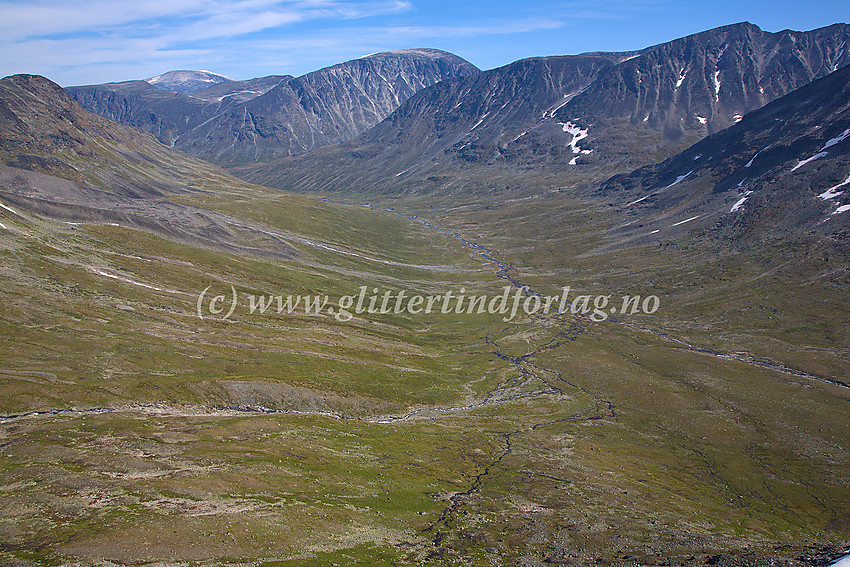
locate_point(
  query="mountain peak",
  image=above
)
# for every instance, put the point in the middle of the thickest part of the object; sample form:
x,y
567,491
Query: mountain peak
x,y
184,81
424,55
34,83
422,51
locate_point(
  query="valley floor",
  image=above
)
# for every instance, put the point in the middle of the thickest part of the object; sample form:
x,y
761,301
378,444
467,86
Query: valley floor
x,y
709,432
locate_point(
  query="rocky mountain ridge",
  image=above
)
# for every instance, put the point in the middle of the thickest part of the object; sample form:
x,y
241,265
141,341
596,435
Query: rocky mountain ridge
x,y
528,123
270,117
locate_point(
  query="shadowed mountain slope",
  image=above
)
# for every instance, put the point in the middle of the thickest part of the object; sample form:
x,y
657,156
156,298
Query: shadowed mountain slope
x,y
782,170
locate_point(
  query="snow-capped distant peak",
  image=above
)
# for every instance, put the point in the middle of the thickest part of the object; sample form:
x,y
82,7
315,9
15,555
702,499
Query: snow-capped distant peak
x,y
186,81
420,51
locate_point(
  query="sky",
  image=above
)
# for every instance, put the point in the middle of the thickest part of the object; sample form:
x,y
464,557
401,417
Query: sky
x,y
96,41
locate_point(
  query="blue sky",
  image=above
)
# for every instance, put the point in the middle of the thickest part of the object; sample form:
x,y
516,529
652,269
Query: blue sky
x,y
93,41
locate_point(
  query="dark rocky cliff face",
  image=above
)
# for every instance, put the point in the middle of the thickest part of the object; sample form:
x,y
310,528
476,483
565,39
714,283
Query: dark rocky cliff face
x,y
328,106
475,115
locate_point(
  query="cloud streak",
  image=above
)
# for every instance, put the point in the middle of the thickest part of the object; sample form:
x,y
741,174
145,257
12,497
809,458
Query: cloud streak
x,y
95,41
53,37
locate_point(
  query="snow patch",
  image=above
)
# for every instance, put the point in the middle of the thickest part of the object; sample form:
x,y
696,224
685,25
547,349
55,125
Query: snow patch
x,y
696,157
682,74
840,138
749,163
134,282
654,231
842,209
684,221
82,223
831,193
740,202
701,120
200,76
3,226
578,135
518,137
10,209
737,118
717,86
639,200
805,161
835,68
679,179
477,124
220,98
551,113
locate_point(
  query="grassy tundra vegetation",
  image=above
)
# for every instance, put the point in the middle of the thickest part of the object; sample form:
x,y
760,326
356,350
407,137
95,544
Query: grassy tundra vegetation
x,y
596,442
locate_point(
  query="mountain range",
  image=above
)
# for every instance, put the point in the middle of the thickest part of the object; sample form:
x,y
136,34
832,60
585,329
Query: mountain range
x,y
566,120
60,161
269,117
425,120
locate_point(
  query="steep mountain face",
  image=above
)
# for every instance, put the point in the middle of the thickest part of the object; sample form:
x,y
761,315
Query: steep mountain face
x,y
186,81
456,124
611,112
166,114
324,107
276,116
44,130
703,83
471,117
783,169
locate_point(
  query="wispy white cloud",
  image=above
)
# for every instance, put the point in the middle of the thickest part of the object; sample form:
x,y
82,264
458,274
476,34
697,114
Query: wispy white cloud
x,y
53,37
216,17
98,40
40,18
